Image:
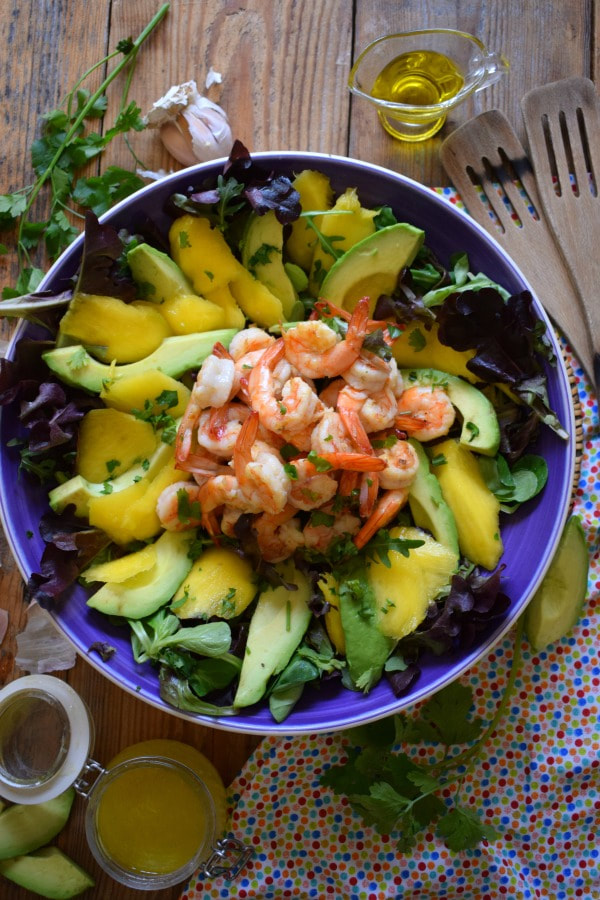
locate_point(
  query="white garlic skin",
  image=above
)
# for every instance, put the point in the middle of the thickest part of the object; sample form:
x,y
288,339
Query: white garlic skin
x,y
192,128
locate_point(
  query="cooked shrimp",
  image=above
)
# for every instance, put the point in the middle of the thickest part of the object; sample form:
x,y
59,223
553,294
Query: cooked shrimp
x,y
225,490
178,506
330,393
387,507
368,372
331,435
425,413
283,410
401,465
319,352
310,488
259,470
278,536
325,527
218,428
363,413
249,340
246,348
395,381
214,386
328,310
229,519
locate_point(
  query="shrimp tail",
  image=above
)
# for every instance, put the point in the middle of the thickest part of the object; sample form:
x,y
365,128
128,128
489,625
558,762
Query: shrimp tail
x,y
355,428
221,352
385,510
354,462
369,488
202,465
242,453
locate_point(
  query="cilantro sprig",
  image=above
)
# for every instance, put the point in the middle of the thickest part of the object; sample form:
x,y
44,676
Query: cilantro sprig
x,y
57,156
403,797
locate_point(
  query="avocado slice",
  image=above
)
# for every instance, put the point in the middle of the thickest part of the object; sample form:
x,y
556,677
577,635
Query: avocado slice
x,y
372,267
176,355
558,602
157,275
48,872
480,430
79,491
277,626
25,827
367,648
427,505
262,255
143,594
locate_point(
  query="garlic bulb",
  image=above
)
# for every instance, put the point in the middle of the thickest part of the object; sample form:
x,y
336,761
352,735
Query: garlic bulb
x,y
192,127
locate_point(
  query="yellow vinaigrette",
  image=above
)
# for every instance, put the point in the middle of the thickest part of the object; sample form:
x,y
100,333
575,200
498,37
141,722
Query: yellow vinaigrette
x,y
154,820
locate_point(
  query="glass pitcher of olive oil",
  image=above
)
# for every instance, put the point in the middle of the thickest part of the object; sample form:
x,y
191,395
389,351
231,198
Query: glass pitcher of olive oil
x,y
415,78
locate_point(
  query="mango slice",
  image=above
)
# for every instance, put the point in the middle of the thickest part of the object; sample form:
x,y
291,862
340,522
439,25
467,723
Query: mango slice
x,y
353,224
475,508
220,583
315,193
113,330
110,442
404,590
134,391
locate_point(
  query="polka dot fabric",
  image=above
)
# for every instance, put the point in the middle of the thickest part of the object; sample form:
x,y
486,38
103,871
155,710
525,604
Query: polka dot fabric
x,y
537,781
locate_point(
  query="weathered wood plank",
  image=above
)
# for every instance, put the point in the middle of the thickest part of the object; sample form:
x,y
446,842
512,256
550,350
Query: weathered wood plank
x,y
283,67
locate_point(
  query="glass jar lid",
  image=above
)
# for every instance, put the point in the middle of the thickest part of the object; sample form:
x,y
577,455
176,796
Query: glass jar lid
x,y
45,738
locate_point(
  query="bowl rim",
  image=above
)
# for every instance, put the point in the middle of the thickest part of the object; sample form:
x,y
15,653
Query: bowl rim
x,y
458,668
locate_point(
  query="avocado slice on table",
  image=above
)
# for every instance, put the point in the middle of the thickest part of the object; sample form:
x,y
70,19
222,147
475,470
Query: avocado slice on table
x,y
559,601
25,827
175,356
480,430
47,872
143,594
372,266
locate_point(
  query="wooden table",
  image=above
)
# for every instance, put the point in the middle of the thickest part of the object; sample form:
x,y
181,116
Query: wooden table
x,y
285,65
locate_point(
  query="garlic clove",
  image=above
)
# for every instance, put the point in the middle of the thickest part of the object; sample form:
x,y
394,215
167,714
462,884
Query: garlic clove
x,y
192,127
209,130
178,142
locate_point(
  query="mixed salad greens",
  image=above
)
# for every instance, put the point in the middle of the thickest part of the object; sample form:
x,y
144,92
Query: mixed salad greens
x,y
329,605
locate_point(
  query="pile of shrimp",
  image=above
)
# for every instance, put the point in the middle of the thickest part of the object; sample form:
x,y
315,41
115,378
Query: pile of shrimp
x,y
280,428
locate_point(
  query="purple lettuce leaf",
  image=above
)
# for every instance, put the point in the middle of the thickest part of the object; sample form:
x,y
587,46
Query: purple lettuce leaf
x,y
70,545
263,190
474,602
101,271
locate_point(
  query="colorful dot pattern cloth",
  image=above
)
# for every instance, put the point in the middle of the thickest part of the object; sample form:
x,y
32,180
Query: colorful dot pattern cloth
x,y
537,781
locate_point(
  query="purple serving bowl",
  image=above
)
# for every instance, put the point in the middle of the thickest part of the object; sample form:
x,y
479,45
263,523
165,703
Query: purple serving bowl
x,y
530,536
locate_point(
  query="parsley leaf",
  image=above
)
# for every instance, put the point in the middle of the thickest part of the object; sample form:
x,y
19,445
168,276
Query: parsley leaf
x,y
63,147
462,829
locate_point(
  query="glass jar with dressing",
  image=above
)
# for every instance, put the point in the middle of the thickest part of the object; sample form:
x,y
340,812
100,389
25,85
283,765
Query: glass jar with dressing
x,y
155,815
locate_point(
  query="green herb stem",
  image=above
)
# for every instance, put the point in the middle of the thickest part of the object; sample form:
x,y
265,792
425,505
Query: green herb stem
x,y
127,58
470,753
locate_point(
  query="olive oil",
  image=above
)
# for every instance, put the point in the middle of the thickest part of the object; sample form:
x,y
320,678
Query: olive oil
x,y
418,78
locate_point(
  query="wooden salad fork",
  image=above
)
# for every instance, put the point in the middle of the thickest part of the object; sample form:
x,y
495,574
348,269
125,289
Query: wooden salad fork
x,y
489,167
562,120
